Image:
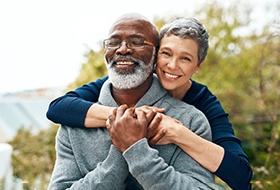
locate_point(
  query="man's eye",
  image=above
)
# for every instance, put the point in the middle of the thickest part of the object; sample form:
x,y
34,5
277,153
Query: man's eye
x,y
136,41
114,42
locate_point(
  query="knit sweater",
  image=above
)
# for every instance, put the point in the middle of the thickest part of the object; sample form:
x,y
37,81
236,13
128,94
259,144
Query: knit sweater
x,y
86,158
71,108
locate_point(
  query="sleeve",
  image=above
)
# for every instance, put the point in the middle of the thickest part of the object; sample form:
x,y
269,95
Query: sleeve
x,y
112,172
71,108
152,172
235,168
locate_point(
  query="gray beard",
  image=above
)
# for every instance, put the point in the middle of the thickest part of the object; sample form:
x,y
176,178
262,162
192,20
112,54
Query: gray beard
x,y
127,79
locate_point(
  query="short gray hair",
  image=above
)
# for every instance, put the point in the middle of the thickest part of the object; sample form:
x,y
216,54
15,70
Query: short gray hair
x,y
188,28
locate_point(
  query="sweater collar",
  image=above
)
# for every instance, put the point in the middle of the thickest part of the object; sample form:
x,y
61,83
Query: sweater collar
x,y
155,93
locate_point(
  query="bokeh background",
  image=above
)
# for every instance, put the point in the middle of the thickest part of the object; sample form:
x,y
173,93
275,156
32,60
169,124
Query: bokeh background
x,y
50,47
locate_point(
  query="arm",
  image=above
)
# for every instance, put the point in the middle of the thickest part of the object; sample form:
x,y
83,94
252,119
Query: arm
x,y
214,157
235,168
67,175
225,157
97,115
71,109
77,108
208,154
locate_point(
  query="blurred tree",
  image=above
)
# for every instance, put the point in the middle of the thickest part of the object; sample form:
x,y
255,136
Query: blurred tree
x,y
243,70
92,69
33,157
266,110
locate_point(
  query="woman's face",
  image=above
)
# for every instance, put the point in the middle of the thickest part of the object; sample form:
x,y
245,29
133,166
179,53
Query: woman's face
x,y
177,62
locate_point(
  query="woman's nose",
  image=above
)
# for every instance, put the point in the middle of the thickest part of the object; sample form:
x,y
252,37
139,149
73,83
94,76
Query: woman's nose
x,y
172,64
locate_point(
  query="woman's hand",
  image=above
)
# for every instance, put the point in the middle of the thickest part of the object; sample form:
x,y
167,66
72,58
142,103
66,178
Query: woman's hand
x,y
148,109
163,130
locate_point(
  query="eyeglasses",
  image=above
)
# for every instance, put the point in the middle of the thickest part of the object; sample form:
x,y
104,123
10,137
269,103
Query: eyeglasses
x,y
131,43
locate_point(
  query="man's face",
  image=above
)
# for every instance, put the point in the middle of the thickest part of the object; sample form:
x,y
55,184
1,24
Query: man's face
x,y
129,63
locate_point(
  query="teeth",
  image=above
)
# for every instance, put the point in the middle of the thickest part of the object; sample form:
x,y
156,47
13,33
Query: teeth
x,y
125,63
171,76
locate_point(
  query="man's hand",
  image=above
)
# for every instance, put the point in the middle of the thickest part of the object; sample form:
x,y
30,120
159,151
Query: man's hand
x,y
127,126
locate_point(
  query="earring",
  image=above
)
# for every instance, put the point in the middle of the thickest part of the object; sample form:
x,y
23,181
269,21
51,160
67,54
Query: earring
x,y
196,72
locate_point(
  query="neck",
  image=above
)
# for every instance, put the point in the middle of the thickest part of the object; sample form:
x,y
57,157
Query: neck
x,y
131,96
180,92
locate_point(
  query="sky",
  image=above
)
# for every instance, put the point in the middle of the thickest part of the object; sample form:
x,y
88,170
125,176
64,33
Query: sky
x,y
43,42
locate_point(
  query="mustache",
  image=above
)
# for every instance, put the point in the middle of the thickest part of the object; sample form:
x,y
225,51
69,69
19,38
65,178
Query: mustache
x,y
120,57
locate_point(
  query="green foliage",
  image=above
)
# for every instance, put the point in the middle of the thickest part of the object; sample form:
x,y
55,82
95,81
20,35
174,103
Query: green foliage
x,y
93,69
33,157
242,70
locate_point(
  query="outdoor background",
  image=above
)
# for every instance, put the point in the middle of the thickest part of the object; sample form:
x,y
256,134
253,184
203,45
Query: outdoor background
x,y
242,69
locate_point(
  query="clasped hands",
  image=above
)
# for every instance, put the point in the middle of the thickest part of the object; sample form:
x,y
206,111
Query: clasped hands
x,y
126,126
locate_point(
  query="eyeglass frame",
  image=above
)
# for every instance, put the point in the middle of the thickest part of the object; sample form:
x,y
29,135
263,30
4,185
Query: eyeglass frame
x,y
145,42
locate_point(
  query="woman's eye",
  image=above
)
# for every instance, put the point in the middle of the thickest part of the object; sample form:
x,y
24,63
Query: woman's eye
x,y
164,53
186,59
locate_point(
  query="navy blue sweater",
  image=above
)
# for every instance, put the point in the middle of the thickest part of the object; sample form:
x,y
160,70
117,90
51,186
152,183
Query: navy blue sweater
x,y
235,168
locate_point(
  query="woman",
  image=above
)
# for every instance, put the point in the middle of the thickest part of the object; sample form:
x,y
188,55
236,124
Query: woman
x,y
182,51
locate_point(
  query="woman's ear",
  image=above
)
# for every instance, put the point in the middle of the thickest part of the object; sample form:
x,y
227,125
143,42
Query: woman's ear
x,y
199,66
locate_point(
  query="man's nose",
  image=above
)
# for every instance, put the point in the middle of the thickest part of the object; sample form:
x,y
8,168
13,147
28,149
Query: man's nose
x,y
123,49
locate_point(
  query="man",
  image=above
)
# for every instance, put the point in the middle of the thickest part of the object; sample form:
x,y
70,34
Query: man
x,y
120,157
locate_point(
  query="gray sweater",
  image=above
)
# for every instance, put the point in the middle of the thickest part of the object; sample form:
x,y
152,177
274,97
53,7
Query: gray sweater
x,y
86,158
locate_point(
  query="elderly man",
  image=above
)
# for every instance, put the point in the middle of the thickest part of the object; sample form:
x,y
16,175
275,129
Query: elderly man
x,y
120,157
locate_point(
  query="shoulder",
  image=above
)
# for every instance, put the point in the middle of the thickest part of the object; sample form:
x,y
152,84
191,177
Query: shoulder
x,y
182,110
178,106
203,99
192,118
199,91
189,115
98,82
